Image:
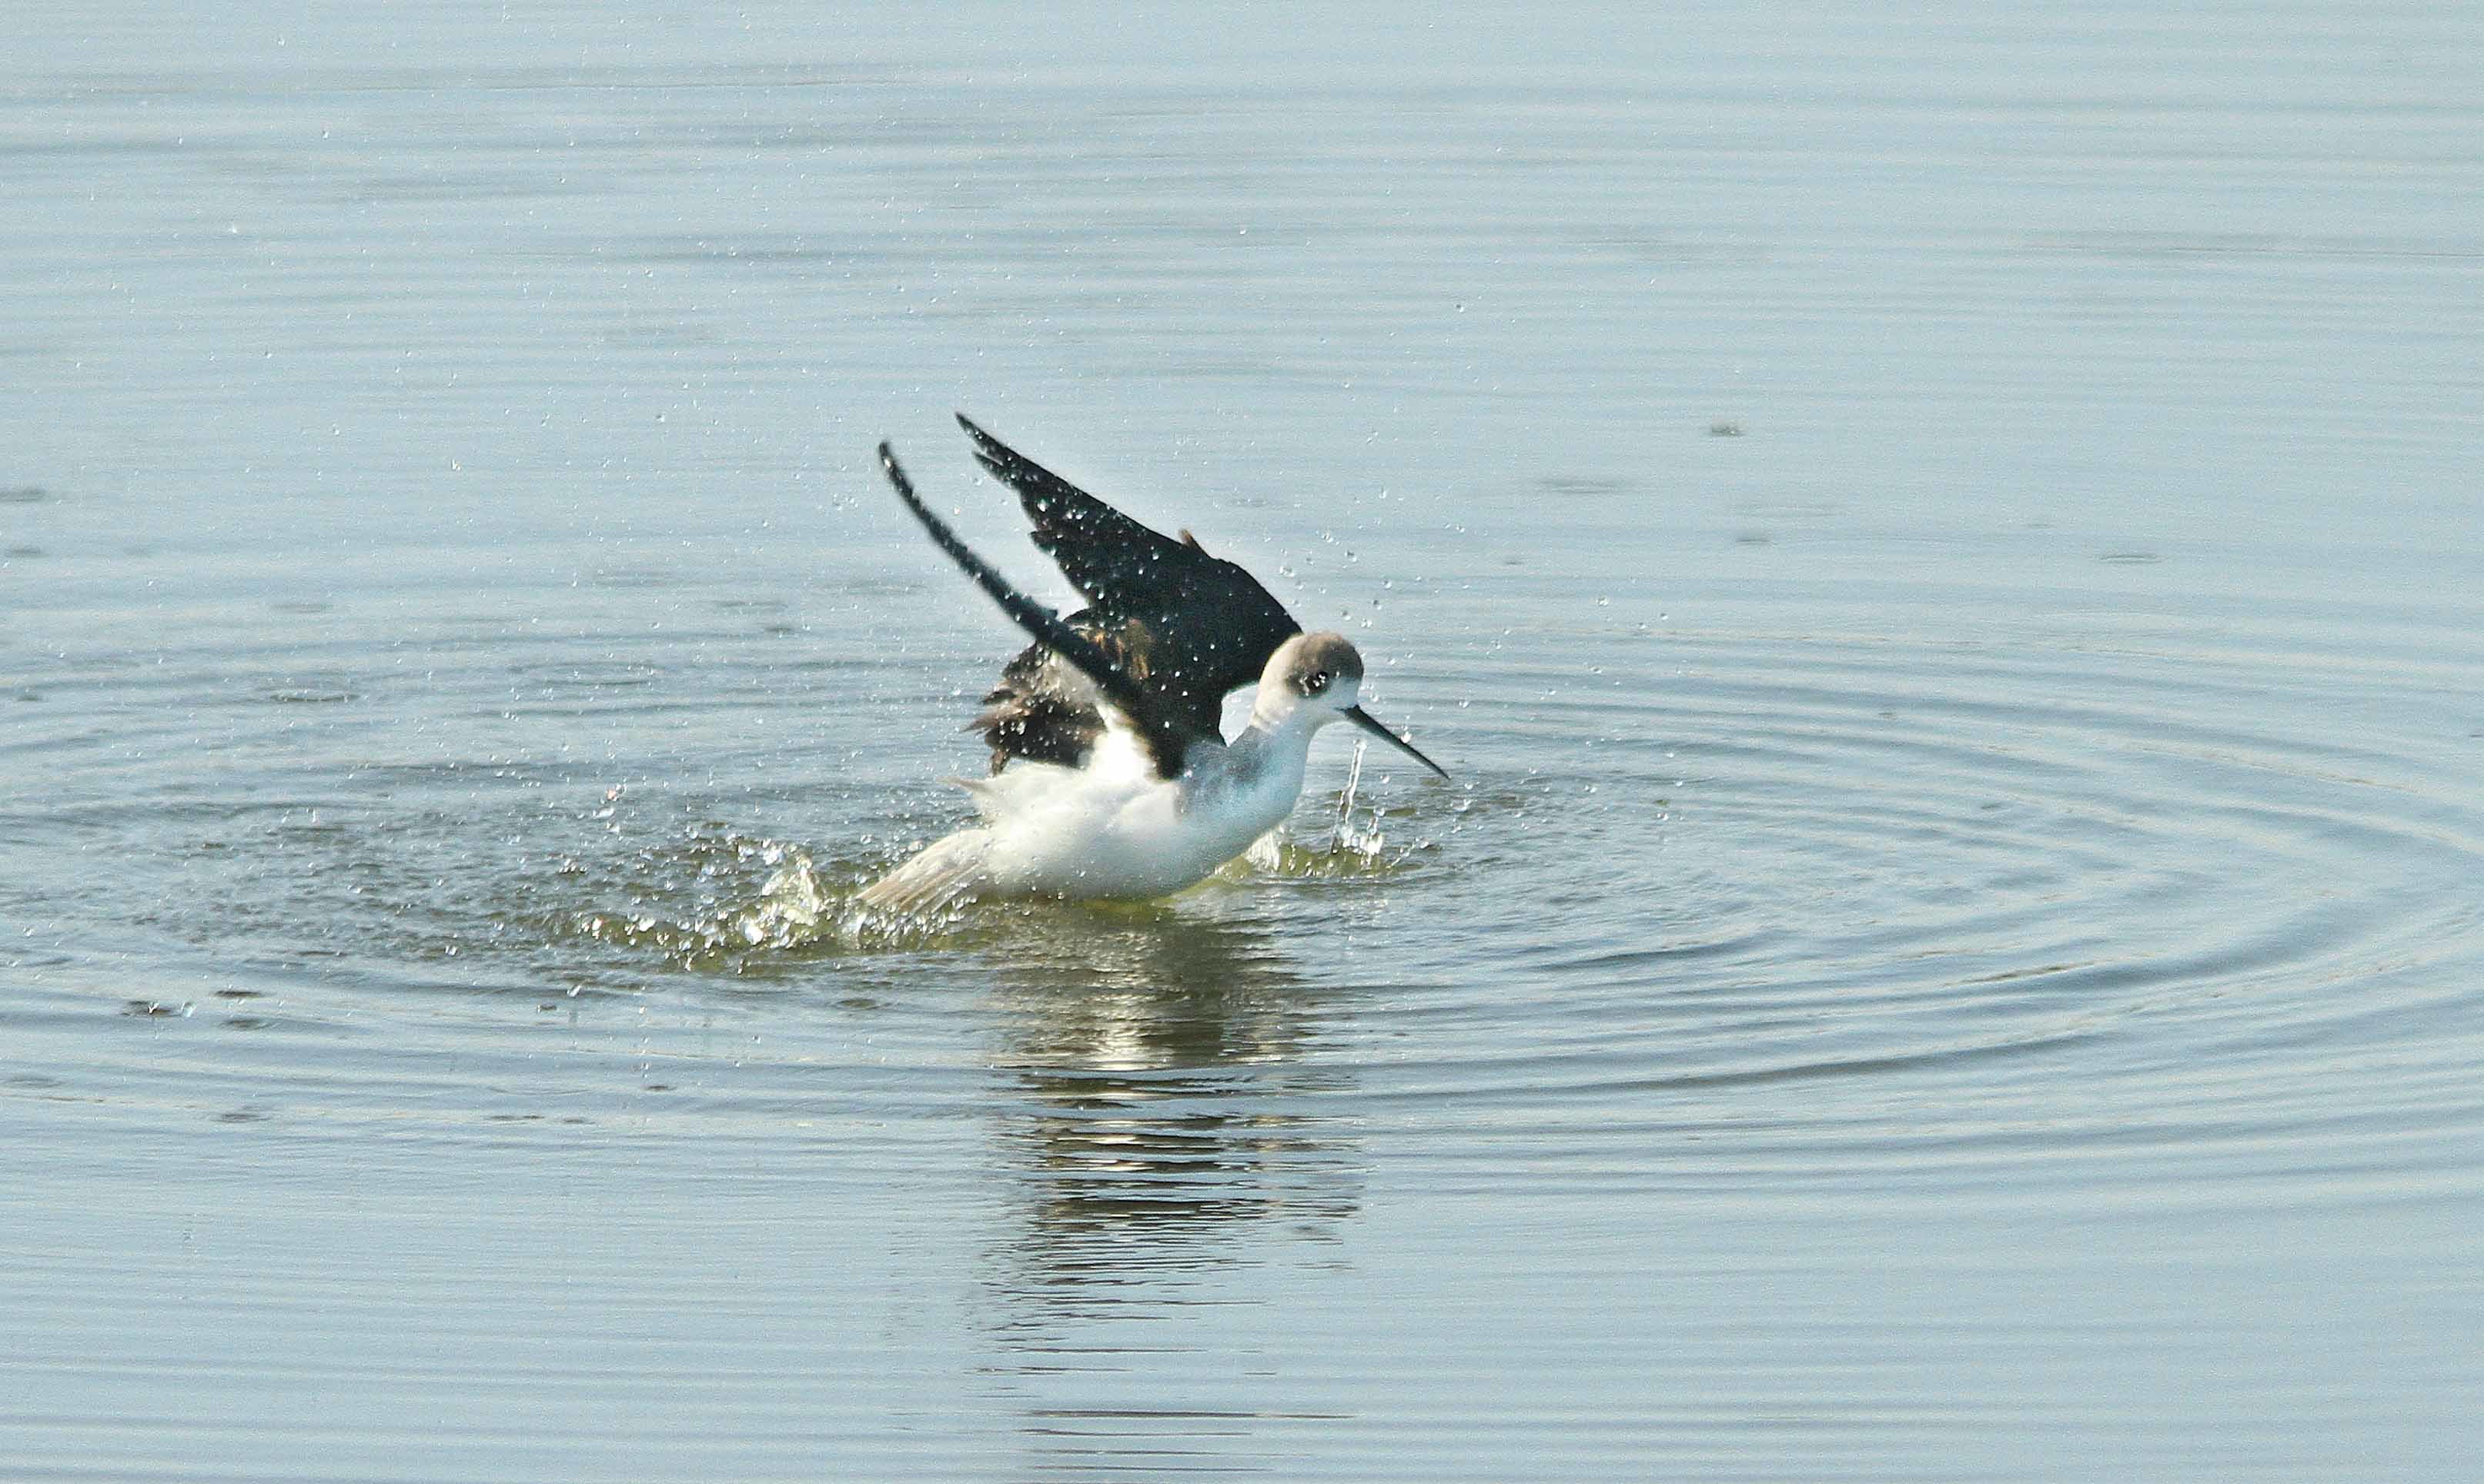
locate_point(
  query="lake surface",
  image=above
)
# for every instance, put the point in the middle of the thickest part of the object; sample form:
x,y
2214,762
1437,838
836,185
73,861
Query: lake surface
x,y
1942,549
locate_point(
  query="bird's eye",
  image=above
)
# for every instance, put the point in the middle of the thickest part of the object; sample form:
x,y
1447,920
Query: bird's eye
x,y
1318,683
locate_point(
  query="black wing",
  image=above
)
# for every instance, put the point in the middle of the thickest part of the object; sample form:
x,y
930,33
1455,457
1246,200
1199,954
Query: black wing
x,y
1168,732
1190,628
1045,709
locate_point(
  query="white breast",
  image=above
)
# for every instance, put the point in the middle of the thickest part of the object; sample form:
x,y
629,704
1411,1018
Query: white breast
x,y
1115,829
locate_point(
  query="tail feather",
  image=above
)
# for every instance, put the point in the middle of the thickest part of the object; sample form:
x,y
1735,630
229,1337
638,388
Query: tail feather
x,y
938,875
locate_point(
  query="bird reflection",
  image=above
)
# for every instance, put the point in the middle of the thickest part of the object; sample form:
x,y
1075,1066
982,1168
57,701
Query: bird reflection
x,y
1158,1109
1166,1121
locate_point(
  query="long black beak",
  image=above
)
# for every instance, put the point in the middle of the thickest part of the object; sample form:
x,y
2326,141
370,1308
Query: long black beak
x,y
1372,723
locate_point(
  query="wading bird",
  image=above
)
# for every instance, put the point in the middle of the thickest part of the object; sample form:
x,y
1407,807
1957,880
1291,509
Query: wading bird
x,y
1109,777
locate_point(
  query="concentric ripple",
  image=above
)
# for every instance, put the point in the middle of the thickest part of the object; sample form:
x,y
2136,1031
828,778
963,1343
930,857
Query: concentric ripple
x,y
1705,862
1931,905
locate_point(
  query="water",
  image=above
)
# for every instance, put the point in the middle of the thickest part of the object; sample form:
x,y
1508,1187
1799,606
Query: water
x,y
1942,550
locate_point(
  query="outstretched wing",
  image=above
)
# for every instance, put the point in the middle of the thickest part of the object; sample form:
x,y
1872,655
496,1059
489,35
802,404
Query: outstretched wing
x,y
1196,628
1167,731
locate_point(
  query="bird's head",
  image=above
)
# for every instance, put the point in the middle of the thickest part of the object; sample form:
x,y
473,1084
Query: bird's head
x,y
1319,677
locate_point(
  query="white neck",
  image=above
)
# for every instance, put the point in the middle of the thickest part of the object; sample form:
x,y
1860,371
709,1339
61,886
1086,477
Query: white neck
x,y
1262,766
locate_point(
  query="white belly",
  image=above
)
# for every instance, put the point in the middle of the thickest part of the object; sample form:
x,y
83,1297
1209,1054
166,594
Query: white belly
x,y
1113,829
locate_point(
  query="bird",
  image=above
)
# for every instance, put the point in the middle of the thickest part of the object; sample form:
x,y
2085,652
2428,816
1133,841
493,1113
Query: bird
x,y
1109,776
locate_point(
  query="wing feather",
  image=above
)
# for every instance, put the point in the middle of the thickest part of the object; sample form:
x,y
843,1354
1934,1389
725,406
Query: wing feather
x,y
1209,625
1167,730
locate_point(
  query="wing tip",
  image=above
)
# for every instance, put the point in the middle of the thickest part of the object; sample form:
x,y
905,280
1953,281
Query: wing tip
x,y
905,487
985,442
998,459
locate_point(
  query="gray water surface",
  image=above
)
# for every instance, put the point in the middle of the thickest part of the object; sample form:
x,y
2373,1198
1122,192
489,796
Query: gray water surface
x,y
1942,550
